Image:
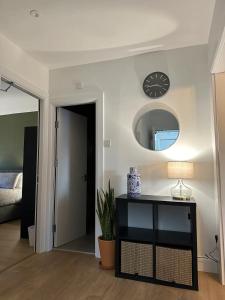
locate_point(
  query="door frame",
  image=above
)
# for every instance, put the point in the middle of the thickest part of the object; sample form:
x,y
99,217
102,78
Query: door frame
x,y
20,88
99,163
218,66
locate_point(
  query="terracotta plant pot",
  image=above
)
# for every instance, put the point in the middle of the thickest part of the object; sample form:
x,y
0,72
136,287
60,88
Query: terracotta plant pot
x,y
107,252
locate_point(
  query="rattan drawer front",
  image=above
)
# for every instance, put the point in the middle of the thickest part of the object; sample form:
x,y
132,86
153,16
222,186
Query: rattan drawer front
x,y
136,258
174,265
144,266
128,257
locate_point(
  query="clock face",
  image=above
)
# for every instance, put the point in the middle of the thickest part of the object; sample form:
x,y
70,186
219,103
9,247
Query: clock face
x,y
156,85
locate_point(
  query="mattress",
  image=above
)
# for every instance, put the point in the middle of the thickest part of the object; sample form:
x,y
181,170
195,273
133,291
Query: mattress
x,y
10,196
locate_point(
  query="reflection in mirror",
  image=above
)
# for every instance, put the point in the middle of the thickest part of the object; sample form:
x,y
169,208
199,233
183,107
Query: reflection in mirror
x,y
157,130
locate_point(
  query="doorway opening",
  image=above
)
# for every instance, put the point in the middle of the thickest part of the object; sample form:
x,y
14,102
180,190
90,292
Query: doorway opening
x,y
19,127
75,178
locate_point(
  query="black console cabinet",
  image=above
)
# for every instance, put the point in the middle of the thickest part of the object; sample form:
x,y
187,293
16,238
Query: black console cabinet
x,y
156,240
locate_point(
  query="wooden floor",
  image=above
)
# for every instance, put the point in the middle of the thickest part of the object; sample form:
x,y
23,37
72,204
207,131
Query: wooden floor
x,y
12,249
66,275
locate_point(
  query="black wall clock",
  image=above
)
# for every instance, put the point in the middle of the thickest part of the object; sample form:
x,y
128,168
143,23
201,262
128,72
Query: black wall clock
x,y
156,85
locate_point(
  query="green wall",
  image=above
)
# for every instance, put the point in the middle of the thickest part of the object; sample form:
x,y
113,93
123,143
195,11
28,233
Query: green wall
x,y
12,138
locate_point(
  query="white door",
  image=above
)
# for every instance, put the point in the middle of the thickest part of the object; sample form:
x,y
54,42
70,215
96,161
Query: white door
x,y
70,197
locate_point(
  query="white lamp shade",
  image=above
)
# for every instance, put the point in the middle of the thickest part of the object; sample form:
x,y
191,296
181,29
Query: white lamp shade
x,y
180,169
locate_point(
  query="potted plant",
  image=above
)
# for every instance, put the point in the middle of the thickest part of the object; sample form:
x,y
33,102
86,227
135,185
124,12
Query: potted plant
x,y
106,214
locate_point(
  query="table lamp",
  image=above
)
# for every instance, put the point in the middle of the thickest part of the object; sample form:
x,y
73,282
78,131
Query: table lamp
x,y
180,170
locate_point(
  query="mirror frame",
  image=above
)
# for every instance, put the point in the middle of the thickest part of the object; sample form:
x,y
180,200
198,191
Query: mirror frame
x,y
151,107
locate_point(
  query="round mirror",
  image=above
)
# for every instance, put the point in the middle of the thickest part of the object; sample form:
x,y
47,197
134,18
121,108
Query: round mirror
x,y
157,130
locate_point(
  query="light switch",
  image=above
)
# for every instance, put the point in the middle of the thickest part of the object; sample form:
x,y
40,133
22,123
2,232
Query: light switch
x,y
107,143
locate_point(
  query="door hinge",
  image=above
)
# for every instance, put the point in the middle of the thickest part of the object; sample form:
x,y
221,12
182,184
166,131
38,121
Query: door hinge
x,y
56,124
54,227
56,163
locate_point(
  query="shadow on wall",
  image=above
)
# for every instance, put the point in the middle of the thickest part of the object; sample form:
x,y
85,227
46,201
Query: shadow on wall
x,y
153,177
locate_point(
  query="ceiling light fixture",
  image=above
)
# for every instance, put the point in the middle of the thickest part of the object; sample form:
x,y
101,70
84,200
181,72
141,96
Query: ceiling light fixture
x,y
34,13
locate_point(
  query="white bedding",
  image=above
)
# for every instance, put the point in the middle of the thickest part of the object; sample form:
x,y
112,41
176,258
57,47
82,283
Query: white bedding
x,y
10,196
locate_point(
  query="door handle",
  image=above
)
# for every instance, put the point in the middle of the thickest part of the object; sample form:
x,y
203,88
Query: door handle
x,y
84,177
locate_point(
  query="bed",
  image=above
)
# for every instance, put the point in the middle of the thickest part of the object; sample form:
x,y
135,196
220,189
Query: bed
x,y
10,195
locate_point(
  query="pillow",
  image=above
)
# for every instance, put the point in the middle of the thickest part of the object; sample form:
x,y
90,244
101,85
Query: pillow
x,y
8,180
19,183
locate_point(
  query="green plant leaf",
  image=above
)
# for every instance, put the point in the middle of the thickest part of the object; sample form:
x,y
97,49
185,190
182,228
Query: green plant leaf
x,y
106,212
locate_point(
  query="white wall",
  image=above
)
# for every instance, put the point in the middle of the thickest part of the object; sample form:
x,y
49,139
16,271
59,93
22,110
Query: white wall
x,y
216,31
189,99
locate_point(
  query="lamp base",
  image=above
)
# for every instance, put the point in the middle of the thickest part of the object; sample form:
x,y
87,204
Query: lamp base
x,y
181,198
180,191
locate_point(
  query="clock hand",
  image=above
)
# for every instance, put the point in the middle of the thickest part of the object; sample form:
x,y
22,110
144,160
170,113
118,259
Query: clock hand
x,y
153,85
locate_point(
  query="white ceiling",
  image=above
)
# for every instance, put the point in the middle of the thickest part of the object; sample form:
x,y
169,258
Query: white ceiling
x,y
72,32
16,101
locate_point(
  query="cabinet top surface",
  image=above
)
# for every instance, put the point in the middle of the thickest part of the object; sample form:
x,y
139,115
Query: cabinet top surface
x,y
156,198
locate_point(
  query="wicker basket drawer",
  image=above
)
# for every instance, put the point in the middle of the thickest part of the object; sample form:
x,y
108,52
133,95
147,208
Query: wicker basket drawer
x,y
174,265
137,259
